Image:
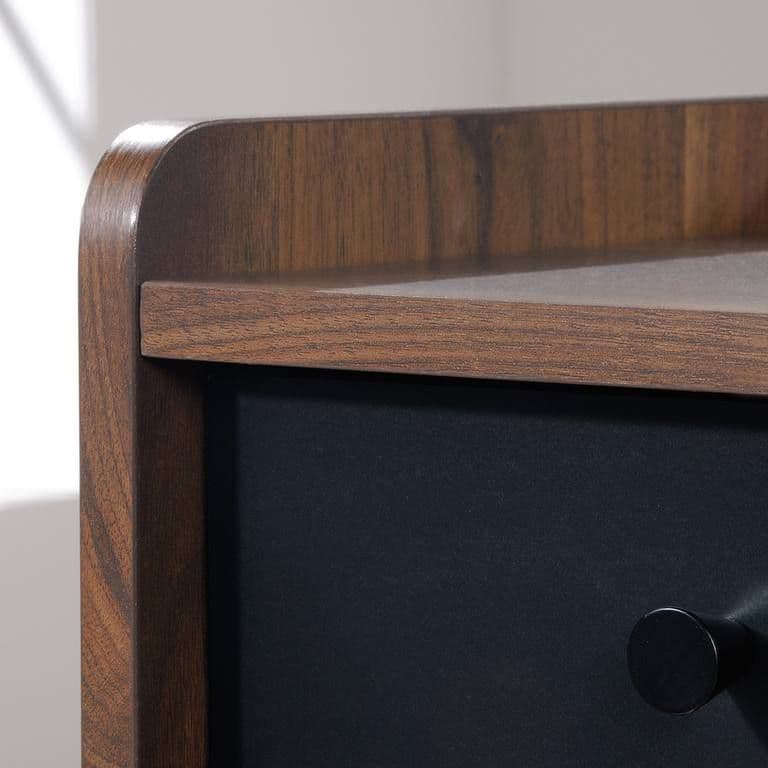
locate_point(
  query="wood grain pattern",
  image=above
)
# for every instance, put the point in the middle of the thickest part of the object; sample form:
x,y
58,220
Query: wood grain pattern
x,y
141,546
238,199
618,346
725,161
281,196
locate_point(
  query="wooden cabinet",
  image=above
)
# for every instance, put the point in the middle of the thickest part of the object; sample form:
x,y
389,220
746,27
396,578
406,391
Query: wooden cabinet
x,y
431,543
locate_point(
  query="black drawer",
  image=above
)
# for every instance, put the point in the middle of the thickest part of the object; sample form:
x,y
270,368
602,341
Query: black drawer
x,y
427,572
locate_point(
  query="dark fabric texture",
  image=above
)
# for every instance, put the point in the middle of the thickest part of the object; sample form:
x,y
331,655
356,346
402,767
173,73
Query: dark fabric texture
x,y
426,572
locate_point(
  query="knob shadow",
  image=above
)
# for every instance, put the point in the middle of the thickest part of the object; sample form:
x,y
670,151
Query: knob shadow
x,y
750,692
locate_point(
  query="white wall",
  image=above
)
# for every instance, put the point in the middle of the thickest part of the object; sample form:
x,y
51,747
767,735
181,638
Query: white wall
x,y
74,72
615,50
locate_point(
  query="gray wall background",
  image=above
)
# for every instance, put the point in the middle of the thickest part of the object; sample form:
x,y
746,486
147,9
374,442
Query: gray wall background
x,y
149,59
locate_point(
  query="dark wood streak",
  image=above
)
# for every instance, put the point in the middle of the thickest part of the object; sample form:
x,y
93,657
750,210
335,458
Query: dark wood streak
x,y
477,134
244,198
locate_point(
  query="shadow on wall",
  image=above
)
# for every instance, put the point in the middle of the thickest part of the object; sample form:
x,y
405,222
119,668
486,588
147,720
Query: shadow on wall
x,y
176,60
179,60
40,641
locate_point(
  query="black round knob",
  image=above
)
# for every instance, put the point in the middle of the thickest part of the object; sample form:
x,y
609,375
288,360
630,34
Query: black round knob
x,y
679,660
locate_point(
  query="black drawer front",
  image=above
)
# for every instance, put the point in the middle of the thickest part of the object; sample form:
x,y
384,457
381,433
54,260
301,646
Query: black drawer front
x,y
420,572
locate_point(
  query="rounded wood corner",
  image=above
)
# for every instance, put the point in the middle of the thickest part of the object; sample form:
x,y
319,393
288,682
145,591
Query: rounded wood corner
x,y
117,188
